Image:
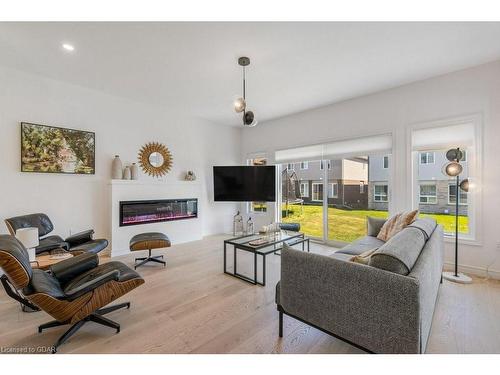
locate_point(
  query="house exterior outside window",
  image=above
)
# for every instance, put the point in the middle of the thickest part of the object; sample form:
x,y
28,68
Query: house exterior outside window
x,y
385,162
333,190
317,191
290,166
427,157
381,193
452,195
428,194
304,189
304,165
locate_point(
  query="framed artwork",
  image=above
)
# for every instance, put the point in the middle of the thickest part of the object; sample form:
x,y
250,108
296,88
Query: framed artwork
x,y
50,149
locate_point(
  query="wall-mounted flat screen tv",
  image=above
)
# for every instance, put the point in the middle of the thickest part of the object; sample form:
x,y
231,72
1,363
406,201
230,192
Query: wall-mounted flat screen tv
x,y
49,149
245,184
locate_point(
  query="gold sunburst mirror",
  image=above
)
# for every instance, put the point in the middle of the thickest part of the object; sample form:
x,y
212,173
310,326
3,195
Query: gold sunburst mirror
x,y
155,159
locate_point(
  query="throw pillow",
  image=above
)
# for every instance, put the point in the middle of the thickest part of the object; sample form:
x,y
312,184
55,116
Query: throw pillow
x,y
396,224
363,258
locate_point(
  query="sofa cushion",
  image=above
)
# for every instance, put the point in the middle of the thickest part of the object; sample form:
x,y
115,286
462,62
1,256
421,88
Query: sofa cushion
x,y
361,245
373,225
395,224
426,225
400,253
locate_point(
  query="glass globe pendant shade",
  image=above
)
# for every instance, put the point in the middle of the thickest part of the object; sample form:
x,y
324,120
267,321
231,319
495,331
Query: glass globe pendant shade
x,y
464,185
249,119
240,105
453,169
454,154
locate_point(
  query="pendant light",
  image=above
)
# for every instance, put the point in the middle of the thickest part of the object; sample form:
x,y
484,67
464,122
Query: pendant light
x,y
240,104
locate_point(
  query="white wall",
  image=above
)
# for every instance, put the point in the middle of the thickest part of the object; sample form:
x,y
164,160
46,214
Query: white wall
x,y
77,202
471,91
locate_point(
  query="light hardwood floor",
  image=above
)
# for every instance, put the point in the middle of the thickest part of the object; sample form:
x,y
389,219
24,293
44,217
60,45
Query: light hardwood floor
x,y
192,307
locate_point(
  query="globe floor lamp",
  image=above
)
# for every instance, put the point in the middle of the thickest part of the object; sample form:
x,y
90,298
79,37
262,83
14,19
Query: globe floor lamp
x,y
453,169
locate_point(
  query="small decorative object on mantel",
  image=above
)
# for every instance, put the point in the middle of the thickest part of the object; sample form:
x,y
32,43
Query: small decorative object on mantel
x,y
237,224
117,168
155,159
127,175
134,171
190,176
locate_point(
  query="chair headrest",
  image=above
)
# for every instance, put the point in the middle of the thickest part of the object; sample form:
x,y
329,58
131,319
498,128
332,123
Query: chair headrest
x,y
14,261
40,221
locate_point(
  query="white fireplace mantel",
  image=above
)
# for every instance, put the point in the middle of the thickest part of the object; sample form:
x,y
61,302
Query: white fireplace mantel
x,y
178,230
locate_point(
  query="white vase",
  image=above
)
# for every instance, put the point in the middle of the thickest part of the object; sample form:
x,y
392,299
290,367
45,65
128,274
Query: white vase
x,y
127,175
116,168
134,171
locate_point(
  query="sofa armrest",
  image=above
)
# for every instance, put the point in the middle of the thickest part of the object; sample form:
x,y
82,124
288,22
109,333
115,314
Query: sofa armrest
x,y
80,237
68,269
373,308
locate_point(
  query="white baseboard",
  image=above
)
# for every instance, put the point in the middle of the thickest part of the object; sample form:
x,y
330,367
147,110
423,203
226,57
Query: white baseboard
x,y
474,270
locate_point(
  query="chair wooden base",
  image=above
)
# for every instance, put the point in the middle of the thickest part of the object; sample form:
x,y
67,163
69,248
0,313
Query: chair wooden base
x,y
96,317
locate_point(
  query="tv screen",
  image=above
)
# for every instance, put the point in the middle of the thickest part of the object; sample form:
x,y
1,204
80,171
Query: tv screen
x,y
245,184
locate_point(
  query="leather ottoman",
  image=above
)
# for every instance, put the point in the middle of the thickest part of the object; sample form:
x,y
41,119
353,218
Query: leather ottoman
x,y
149,241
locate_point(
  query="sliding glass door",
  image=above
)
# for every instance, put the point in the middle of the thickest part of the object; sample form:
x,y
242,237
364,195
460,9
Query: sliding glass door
x,y
354,186
302,196
331,196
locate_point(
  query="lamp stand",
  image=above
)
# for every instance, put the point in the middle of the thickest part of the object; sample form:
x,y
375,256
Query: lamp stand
x,y
455,276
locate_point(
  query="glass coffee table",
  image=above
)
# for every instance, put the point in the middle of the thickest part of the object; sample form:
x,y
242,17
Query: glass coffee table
x,y
273,245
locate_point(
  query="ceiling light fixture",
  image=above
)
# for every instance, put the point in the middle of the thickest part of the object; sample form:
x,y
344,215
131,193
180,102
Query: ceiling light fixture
x,y
240,104
68,47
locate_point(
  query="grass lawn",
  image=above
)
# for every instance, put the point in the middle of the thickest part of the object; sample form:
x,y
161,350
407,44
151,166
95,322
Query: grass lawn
x,y
344,225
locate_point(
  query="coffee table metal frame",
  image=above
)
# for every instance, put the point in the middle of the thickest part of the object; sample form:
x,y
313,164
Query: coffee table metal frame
x,y
271,247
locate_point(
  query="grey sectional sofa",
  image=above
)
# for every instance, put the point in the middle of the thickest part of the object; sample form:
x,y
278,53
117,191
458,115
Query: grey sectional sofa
x,y
385,306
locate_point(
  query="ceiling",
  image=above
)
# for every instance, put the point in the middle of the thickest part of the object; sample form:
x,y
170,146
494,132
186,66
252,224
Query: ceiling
x,y
295,66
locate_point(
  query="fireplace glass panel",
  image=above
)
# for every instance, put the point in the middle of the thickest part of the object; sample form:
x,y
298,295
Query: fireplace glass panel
x,y
154,211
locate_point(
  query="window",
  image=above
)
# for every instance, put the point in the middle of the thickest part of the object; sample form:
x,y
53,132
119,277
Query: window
x,y
452,195
333,190
427,158
317,191
385,162
254,207
304,189
322,166
428,194
361,187
304,165
381,193
290,166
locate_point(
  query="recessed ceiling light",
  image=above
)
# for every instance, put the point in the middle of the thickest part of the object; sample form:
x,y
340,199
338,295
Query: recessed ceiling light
x,y
68,47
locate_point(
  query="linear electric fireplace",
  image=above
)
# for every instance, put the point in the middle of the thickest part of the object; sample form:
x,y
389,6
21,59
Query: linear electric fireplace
x,y
154,211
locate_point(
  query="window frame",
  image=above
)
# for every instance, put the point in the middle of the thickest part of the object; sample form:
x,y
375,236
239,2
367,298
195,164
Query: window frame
x,y
460,191
427,153
427,196
375,195
474,163
250,205
312,191
306,184
384,164
304,165
334,186
290,166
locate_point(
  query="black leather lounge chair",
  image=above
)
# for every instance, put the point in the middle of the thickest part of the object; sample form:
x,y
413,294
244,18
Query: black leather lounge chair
x,y
75,291
78,243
